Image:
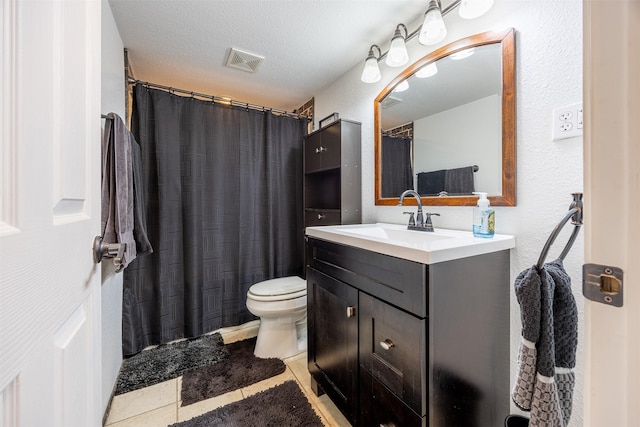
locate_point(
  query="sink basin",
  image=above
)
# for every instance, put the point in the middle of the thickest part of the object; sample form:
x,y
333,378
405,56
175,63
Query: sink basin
x,y
420,246
380,231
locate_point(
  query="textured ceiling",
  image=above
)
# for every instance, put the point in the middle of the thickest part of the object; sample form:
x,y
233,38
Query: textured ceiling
x,y
307,44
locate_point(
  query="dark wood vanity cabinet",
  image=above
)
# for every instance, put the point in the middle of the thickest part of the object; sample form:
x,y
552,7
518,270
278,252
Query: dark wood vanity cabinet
x,y
332,184
398,343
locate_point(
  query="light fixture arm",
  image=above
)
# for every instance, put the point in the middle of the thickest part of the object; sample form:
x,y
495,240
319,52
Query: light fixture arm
x,y
372,54
399,34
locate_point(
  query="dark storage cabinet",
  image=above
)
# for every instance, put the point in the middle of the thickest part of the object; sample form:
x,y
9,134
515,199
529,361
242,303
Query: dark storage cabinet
x,y
395,342
332,183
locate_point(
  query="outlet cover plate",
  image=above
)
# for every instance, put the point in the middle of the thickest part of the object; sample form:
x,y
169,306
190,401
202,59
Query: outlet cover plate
x,y
567,121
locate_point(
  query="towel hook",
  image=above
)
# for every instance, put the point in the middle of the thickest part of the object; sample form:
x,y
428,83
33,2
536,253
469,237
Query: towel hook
x,y
575,213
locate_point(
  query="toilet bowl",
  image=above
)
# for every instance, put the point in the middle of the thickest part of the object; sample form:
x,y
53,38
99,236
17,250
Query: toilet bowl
x,y
281,305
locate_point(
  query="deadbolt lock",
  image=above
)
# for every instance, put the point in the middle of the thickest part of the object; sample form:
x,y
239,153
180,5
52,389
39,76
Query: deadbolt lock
x,y
602,283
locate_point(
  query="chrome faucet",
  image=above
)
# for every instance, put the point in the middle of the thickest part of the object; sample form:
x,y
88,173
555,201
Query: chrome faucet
x,y
419,223
419,218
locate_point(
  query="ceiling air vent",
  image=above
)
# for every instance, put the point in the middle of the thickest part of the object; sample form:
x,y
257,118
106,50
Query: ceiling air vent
x,y
390,101
244,60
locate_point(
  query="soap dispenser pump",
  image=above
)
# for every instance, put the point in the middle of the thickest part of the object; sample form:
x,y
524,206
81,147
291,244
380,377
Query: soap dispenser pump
x,y
483,217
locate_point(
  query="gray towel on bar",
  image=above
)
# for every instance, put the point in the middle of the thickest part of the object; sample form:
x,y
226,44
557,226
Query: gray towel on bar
x,y
117,187
459,181
143,246
431,182
546,358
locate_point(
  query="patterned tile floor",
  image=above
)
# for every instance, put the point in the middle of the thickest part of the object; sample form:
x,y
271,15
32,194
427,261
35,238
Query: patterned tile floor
x,y
159,405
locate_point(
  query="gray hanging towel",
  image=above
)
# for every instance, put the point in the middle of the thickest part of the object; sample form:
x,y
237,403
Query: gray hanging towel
x,y
546,358
143,246
117,187
459,180
431,182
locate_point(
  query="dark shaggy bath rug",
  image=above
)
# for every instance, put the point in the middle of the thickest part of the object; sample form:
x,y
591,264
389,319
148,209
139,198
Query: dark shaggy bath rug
x,y
241,369
281,406
169,361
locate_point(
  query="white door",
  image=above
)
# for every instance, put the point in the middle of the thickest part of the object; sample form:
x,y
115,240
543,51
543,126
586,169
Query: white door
x,y
612,201
49,212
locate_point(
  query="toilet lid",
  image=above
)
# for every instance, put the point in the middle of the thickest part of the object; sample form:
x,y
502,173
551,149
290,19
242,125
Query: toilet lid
x,y
280,286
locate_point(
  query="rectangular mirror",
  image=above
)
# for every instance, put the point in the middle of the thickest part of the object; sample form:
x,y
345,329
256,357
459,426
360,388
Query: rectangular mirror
x,y
445,126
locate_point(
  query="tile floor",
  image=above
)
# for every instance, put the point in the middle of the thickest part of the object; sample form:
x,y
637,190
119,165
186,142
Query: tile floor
x,y
159,405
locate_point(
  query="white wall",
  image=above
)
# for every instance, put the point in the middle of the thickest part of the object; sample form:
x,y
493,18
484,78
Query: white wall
x,y
549,75
113,100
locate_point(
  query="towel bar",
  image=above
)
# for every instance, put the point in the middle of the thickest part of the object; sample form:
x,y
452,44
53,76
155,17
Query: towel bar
x,y
576,215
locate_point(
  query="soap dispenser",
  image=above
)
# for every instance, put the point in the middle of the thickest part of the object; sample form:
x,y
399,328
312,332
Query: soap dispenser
x,y
484,219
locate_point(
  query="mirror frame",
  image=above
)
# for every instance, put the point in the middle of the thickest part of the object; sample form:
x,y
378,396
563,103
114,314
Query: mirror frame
x,y
508,198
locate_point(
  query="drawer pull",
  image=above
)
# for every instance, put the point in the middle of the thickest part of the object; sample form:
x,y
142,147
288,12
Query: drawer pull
x,y
320,216
387,344
351,311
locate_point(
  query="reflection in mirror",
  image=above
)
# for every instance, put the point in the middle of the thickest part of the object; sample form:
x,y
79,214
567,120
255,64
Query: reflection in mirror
x,y
452,131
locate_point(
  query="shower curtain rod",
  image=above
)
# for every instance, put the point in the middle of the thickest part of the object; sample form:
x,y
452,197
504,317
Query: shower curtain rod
x,y
219,99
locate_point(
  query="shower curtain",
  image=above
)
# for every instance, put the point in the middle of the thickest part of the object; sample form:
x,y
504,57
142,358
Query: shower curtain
x,y
223,197
397,172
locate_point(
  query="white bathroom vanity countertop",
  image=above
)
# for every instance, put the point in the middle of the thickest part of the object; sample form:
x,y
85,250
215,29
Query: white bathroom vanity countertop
x,y
419,246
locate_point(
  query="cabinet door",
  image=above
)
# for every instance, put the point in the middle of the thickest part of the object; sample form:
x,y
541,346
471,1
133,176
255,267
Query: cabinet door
x,y
331,146
393,350
380,407
333,339
313,153
322,149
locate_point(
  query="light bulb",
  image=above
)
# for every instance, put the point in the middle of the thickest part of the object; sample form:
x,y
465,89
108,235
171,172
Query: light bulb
x,y
462,54
470,9
404,85
428,71
433,29
371,71
397,55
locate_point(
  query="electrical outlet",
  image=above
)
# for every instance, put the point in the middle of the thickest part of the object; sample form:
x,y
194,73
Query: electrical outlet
x,y
567,121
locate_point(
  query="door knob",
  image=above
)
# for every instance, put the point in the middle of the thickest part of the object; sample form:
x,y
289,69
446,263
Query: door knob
x,y
108,250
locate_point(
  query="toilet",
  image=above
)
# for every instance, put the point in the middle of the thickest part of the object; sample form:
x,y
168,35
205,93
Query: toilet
x,y
281,305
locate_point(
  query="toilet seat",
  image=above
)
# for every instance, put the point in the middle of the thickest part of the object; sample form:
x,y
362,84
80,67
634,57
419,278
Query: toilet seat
x,y
283,288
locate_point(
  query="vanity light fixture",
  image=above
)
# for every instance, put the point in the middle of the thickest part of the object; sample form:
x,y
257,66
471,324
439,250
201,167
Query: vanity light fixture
x,y
428,71
433,29
470,9
462,54
398,55
371,72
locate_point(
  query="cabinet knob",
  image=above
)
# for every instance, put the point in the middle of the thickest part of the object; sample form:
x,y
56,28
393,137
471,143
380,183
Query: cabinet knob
x,y
351,311
320,216
320,149
387,344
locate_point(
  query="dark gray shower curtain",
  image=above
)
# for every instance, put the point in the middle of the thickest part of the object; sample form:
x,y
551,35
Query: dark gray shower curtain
x,y
224,203
397,172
